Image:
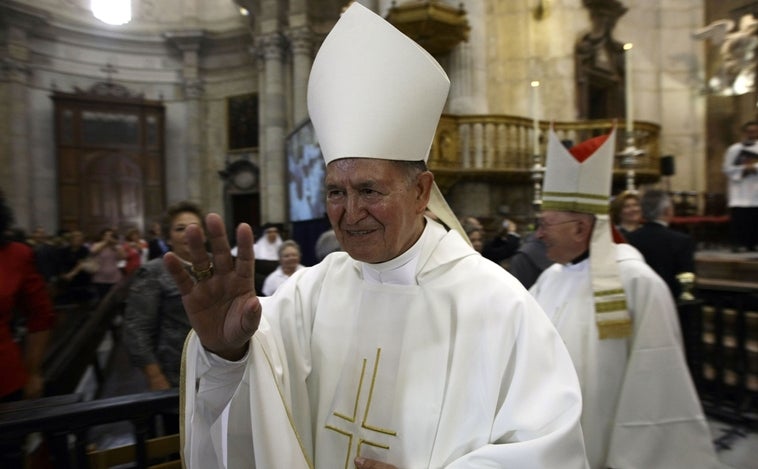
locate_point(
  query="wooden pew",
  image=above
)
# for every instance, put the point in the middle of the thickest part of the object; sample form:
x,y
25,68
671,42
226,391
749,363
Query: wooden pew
x,y
66,426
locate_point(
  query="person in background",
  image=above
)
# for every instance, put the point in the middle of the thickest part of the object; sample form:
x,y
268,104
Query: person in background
x,y
155,324
529,261
134,248
476,238
504,244
156,246
45,255
326,244
107,252
409,344
75,281
289,263
474,231
625,212
267,245
22,291
471,223
619,322
741,169
669,252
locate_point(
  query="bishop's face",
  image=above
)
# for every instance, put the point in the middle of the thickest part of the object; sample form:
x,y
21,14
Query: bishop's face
x,y
376,210
564,235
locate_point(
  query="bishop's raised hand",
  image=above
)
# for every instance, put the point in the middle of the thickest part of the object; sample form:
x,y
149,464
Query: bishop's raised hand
x,y
218,292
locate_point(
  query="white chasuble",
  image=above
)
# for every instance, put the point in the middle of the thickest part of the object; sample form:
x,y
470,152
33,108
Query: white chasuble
x,y
363,418
440,361
641,409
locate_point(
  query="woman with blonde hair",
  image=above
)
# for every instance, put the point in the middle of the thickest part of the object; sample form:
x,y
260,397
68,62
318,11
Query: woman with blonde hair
x,y
626,214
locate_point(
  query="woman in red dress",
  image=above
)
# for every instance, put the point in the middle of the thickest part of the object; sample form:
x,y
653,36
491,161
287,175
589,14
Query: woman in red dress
x,y
22,291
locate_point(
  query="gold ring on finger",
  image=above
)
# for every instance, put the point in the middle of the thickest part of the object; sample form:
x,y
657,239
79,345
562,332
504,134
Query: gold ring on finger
x,y
202,274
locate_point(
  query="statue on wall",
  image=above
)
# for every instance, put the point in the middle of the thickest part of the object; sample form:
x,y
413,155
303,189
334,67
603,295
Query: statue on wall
x,y
736,67
600,63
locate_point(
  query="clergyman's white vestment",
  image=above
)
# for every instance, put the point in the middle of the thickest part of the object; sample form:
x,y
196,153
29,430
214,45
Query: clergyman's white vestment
x,y
641,409
438,358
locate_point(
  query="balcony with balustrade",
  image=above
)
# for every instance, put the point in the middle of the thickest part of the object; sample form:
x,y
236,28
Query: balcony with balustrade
x,y
499,148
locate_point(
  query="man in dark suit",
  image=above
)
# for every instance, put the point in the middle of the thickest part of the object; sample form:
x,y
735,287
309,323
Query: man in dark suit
x,y
667,251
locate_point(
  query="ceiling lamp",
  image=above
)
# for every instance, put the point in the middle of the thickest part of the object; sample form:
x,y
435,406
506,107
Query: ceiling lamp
x,y
113,12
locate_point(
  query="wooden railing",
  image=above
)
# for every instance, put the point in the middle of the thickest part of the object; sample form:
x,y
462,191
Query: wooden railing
x,y
724,364
66,424
720,330
498,144
74,347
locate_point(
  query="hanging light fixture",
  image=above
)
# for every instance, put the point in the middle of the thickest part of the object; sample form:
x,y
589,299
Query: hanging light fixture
x,y
113,12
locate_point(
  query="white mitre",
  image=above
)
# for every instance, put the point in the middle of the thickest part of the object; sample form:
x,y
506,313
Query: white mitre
x,y
579,180
375,93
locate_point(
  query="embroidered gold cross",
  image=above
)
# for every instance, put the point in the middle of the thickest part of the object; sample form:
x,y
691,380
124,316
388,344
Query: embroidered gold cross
x,y
351,419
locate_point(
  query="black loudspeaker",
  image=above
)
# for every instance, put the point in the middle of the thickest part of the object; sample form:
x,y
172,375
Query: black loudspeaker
x,y
667,165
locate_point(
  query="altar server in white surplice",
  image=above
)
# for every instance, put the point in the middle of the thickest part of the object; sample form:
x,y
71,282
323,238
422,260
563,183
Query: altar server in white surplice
x,y
408,350
619,322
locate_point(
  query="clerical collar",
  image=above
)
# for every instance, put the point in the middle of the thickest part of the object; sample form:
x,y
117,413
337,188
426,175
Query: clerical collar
x,y
398,271
580,257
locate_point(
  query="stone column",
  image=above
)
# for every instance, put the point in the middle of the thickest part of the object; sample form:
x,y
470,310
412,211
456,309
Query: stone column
x,y
16,174
188,171
301,40
272,154
467,66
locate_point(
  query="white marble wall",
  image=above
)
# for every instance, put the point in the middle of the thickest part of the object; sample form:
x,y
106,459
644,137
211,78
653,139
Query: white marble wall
x,y
668,64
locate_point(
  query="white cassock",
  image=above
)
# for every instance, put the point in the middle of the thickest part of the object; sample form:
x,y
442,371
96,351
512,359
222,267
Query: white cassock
x,y
641,409
275,279
438,358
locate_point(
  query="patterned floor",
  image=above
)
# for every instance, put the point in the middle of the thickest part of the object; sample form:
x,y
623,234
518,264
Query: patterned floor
x,y
737,447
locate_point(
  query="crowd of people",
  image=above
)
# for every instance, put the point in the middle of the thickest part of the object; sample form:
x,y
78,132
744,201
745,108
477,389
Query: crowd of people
x,y
80,269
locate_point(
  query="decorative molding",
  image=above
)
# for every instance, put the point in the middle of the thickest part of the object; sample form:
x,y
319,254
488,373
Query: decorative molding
x,y
186,41
109,89
301,40
241,174
14,70
193,88
271,46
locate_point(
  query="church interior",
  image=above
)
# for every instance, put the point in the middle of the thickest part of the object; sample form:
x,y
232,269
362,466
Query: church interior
x,y
108,120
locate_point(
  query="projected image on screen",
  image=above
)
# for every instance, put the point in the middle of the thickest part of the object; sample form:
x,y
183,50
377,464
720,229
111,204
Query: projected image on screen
x,y
306,175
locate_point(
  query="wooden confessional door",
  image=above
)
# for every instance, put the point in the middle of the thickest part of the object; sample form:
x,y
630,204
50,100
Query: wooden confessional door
x,y
110,148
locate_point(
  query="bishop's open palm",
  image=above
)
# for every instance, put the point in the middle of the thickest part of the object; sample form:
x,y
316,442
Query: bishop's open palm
x,y
222,305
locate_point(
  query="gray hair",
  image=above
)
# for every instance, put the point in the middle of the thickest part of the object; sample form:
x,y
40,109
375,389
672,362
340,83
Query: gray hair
x,y
411,169
654,203
288,244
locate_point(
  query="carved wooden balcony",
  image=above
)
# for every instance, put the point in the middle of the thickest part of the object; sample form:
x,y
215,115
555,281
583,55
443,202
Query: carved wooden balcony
x,y
500,147
435,26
